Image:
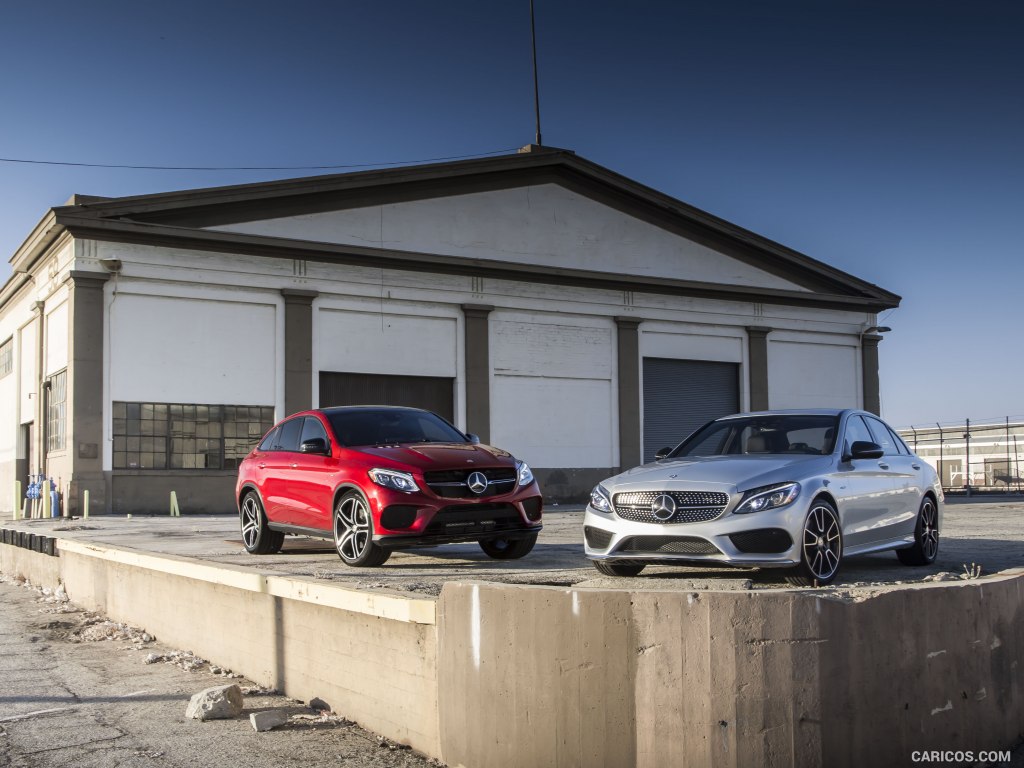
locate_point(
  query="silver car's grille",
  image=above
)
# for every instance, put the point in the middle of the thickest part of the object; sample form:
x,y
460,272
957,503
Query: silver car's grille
x,y
669,545
691,506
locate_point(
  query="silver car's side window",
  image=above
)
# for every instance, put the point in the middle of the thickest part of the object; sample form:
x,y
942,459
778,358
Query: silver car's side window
x,y
857,431
882,436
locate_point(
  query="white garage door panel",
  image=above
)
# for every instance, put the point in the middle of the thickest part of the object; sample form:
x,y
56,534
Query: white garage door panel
x,y
553,423
57,339
176,350
812,375
362,342
543,349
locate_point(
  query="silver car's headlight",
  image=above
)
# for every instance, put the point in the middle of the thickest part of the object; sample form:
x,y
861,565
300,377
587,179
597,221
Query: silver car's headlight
x,y
393,479
523,473
768,497
600,500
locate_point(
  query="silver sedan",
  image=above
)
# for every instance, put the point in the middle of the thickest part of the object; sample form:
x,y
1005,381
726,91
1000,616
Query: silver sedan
x,y
783,489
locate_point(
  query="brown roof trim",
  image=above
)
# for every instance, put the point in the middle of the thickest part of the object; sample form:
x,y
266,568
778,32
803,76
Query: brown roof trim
x,y
88,227
246,202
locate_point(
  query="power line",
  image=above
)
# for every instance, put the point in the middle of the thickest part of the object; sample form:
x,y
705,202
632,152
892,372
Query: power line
x,y
253,167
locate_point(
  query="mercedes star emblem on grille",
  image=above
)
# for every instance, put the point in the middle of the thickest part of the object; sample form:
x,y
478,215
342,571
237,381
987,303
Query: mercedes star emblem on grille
x,y
477,483
664,507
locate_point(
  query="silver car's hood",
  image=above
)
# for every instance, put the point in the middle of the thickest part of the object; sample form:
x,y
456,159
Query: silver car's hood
x,y
730,473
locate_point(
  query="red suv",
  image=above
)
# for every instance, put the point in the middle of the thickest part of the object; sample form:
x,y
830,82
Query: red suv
x,y
379,478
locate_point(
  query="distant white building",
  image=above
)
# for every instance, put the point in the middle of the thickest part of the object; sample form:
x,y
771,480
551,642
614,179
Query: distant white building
x,y
557,309
991,458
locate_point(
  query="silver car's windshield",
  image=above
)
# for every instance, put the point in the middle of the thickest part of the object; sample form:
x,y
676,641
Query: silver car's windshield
x,y
809,434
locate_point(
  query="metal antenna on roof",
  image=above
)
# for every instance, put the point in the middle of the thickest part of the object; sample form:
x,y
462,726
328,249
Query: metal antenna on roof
x,y
536,90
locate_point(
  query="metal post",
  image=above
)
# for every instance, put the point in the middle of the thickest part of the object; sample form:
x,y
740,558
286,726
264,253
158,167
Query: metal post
x,y
1007,450
967,473
941,443
85,504
45,493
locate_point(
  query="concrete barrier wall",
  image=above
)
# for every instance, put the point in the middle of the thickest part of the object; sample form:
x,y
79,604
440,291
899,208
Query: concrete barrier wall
x,y
42,570
544,676
505,676
371,656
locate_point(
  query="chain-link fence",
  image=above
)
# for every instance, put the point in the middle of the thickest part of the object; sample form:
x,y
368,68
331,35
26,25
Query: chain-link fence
x,y
968,456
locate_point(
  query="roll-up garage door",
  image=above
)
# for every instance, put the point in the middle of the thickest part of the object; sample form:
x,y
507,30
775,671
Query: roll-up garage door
x,y
682,395
433,393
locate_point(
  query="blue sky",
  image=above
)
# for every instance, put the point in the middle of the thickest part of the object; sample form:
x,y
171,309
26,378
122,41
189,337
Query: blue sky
x,y
885,138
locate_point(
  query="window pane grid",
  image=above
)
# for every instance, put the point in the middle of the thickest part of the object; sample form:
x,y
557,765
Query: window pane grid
x,y
56,411
186,436
6,357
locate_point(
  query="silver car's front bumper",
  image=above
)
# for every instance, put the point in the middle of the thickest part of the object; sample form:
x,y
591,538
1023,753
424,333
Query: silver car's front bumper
x,y
715,532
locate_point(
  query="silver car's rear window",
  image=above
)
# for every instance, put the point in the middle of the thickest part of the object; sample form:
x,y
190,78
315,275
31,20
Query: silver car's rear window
x,y
809,434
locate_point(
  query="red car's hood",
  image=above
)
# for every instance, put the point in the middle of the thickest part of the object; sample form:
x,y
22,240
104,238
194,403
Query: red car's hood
x,y
434,456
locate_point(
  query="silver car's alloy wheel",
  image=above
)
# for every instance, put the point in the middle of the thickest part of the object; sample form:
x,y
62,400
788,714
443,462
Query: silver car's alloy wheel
x,y
822,543
251,522
351,528
929,534
925,548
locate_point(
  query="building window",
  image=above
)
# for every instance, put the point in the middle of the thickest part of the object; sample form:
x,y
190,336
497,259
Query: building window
x,y
56,411
6,357
178,436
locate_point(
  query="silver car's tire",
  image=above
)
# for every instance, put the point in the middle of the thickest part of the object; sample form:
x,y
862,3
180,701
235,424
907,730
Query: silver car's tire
x,y
353,533
821,547
619,569
926,536
256,534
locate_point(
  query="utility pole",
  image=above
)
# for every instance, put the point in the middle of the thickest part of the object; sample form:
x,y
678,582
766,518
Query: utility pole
x,y
536,89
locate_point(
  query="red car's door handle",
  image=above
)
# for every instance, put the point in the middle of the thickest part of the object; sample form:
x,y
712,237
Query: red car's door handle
x,y
295,466
261,465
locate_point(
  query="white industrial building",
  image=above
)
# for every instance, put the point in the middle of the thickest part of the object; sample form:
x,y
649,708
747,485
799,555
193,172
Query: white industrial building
x,y
555,308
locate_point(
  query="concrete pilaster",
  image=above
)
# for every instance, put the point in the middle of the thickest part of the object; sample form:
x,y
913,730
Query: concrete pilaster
x,y
478,369
628,335
869,372
298,349
757,363
83,461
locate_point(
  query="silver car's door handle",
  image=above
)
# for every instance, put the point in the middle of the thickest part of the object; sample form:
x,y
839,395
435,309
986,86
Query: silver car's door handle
x,y
883,465
916,466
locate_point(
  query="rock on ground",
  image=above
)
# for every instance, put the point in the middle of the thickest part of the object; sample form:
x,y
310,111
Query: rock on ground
x,y
220,703
271,718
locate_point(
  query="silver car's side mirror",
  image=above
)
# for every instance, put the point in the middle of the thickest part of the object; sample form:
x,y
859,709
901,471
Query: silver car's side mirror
x,y
862,449
662,453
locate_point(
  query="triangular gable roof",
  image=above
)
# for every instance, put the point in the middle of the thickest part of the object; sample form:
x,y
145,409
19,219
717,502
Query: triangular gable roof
x,y
180,219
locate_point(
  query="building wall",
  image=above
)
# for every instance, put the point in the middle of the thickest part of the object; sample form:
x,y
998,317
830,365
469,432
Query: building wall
x,y
812,370
184,326
20,391
542,224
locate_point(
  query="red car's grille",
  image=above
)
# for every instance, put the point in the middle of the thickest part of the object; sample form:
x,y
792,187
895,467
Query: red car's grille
x,y
454,483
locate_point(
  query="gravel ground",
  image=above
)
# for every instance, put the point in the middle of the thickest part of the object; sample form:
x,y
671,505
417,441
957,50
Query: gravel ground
x,y
985,535
79,690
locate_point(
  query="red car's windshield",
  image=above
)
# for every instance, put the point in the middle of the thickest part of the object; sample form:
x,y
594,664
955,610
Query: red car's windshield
x,y
391,426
